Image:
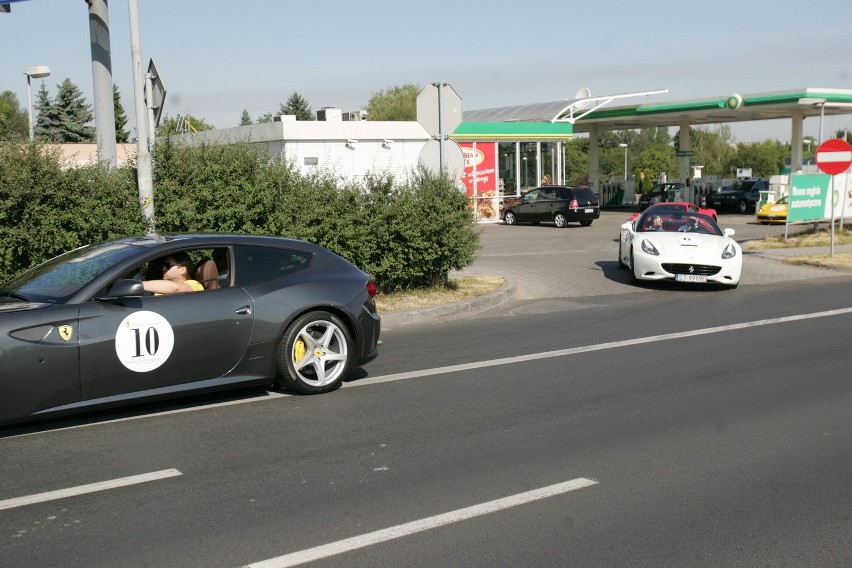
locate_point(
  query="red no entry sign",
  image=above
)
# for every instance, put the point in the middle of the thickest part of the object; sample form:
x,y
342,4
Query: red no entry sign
x,y
834,156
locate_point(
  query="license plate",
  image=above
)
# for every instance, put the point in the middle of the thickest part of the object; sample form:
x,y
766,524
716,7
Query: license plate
x,y
590,210
690,278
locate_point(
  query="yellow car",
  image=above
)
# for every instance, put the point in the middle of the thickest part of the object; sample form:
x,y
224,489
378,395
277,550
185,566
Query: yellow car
x,y
774,212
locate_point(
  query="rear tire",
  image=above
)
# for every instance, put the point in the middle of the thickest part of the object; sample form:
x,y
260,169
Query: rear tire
x,y
742,206
560,221
315,354
586,223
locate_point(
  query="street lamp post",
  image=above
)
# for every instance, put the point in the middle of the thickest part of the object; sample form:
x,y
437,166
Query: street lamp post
x,y
624,145
34,73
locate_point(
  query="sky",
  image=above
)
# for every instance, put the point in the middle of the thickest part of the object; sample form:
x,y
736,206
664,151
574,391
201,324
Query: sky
x,y
218,58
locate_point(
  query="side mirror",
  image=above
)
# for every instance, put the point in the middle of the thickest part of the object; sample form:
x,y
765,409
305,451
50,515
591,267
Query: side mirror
x,y
123,289
729,232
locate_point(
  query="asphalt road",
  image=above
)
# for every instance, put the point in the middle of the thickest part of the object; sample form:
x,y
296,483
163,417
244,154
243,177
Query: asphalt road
x,y
636,426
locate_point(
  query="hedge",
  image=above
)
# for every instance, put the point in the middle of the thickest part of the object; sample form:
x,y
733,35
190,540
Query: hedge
x,y
405,233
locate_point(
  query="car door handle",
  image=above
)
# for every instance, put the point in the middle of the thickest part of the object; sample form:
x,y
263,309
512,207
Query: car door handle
x,y
245,310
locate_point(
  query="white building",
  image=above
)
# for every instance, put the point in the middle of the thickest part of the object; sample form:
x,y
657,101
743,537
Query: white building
x,y
350,149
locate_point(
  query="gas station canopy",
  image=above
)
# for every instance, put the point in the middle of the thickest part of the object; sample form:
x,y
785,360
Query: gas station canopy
x,y
730,108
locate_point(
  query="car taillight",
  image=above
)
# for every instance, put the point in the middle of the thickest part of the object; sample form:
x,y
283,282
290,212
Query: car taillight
x,y
573,204
371,288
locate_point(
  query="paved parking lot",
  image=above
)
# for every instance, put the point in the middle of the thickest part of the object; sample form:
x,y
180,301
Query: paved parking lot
x,y
550,267
546,262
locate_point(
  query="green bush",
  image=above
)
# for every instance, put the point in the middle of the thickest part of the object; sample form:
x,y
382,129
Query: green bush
x,y
47,209
404,234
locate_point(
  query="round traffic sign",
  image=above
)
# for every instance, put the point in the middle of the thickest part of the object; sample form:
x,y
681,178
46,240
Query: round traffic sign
x,y
834,156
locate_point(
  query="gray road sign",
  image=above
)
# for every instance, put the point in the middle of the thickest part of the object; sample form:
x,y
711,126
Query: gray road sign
x,y
158,92
430,156
439,109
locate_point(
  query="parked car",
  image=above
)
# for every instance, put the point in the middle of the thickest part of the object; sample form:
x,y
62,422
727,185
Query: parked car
x,y
659,193
683,206
79,331
557,204
685,247
773,212
742,196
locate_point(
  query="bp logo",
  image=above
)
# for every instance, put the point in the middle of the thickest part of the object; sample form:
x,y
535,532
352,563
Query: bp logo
x,y
144,341
734,102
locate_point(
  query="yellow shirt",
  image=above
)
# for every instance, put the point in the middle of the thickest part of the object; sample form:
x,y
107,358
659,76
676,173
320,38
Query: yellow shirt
x,y
195,285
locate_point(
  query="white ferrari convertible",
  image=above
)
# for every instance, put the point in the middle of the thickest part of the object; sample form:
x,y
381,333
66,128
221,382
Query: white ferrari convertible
x,y
680,247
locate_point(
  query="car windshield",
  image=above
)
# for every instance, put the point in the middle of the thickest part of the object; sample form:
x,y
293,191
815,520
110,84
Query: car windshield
x,y
59,278
677,221
741,185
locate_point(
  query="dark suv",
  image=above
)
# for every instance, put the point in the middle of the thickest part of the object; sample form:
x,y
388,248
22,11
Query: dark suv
x,y
559,204
742,196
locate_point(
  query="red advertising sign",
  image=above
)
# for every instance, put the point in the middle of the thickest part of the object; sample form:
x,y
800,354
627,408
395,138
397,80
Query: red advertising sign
x,y
480,178
480,169
834,156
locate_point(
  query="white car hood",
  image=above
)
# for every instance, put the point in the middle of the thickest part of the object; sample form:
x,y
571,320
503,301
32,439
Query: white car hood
x,y
686,243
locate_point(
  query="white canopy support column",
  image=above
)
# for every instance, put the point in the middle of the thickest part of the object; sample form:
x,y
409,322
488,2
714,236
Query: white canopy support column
x,y
685,145
593,159
797,122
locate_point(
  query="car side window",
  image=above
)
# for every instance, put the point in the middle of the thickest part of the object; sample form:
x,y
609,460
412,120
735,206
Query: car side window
x,y
254,264
531,196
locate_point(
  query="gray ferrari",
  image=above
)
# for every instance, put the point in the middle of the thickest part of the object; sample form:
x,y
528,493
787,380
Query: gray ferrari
x,y
108,324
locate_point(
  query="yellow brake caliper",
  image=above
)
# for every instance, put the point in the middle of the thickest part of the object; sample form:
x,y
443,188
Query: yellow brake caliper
x,y
299,349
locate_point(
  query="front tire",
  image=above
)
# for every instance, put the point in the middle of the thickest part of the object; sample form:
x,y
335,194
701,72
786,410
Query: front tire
x,y
632,267
509,218
742,206
315,354
560,221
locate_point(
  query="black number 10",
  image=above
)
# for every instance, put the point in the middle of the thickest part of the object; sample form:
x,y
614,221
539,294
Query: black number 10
x,y
152,342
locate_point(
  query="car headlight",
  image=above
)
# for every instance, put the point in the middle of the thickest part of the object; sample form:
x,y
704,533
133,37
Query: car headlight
x,y
649,248
729,252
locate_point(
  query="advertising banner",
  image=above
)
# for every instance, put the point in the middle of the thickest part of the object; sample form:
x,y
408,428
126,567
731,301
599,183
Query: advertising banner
x,y
480,178
842,192
808,199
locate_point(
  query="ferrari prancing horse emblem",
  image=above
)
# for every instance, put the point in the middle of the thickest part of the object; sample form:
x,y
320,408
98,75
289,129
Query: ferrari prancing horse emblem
x,y
65,332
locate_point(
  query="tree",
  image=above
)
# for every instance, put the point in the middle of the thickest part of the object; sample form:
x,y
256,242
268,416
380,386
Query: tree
x,y
764,158
298,106
245,118
121,135
264,118
713,149
67,117
395,103
47,120
14,121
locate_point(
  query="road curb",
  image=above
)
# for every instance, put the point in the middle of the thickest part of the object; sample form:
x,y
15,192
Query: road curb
x,y
449,311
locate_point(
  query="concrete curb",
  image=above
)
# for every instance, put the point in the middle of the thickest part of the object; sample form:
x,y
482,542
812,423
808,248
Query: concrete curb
x,y
449,311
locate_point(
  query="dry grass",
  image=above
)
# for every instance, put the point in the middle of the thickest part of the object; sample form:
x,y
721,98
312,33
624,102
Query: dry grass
x,y
822,238
457,290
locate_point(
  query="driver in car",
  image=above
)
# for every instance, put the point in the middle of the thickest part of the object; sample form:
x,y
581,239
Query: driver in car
x,y
176,271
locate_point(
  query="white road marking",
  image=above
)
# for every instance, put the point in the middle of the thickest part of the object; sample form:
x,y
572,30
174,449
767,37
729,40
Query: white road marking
x,y
90,488
590,348
479,365
364,540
